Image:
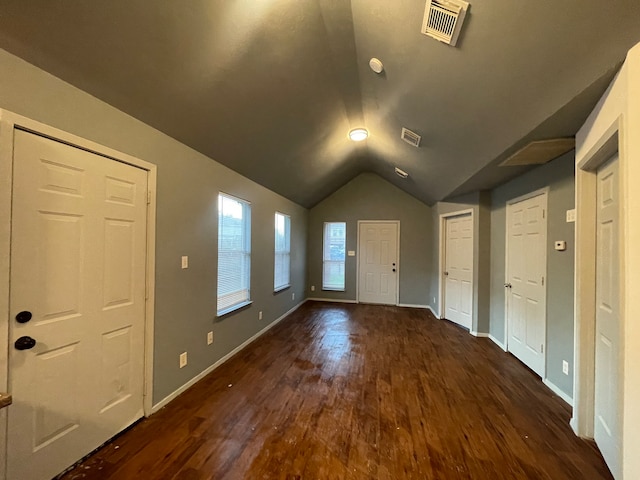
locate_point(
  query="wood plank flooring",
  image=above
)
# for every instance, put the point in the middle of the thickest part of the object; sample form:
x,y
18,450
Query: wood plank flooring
x,y
357,392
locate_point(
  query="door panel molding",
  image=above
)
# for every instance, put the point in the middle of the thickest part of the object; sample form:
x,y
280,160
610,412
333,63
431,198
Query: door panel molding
x,y
398,259
9,123
441,256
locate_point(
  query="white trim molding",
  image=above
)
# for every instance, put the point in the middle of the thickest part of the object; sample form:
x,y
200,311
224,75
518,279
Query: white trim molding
x,y
502,346
162,403
331,300
555,389
479,334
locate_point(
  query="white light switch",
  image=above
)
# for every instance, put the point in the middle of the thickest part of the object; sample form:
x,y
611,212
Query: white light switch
x,y
351,253
185,261
571,215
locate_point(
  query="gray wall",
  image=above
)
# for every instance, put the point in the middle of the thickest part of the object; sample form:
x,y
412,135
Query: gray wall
x,y
188,184
479,202
369,197
559,177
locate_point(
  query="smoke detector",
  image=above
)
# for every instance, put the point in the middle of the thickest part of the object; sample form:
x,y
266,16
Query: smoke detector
x,y
412,138
443,19
376,65
401,173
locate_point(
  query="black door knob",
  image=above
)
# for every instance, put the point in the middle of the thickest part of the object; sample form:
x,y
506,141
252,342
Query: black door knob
x,y
23,317
24,343
394,269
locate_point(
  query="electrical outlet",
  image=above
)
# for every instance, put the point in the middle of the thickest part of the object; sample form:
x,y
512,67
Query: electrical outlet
x,y
260,315
209,338
565,367
293,296
185,261
183,359
313,288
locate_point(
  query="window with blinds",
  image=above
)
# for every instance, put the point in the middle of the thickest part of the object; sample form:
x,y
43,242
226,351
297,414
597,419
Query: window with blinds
x,y
234,253
334,246
282,262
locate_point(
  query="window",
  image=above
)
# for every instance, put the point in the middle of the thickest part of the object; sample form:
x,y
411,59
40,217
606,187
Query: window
x,y
335,242
281,271
234,253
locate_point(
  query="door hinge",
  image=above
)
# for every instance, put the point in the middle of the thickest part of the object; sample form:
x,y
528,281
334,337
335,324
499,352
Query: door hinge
x,y
543,213
543,281
148,197
541,348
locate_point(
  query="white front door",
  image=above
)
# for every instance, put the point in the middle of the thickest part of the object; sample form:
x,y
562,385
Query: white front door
x,y
458,270
608,408
78,246
378,262
525,289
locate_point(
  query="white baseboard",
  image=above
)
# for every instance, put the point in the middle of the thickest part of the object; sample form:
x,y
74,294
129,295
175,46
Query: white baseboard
x,y
210,369
410,305
573,423
558,392
498,342
434,312
479,334
332,300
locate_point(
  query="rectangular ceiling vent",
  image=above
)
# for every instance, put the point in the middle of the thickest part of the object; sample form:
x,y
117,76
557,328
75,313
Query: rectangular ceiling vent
x,y
443,19
412,138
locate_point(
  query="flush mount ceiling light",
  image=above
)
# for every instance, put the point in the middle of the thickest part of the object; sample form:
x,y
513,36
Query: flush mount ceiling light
x,y
358,134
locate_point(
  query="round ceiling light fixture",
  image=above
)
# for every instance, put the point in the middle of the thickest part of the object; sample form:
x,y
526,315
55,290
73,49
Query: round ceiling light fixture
x,y
376,65
358,134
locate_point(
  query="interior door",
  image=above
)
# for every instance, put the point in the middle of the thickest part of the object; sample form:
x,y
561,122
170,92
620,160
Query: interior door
x,y
378,263
78,247
458,274
525,287
608,398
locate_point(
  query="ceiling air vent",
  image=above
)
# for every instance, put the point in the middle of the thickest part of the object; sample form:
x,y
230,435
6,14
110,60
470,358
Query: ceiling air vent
x,y
412,138
443,19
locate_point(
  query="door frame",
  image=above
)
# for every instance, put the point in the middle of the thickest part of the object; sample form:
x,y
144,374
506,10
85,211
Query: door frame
x,y
397,222
442,245
545,192
612,141
9,122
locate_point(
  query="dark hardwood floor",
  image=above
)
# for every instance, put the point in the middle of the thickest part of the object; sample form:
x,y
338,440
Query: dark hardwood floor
x,y
357,392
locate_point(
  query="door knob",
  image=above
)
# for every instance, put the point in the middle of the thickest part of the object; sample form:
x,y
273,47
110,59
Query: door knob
x,y
24,343
394,269
446,274
23,317
507,285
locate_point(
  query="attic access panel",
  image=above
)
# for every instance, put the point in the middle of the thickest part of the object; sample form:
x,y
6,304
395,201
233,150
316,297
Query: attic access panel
x,y
540,152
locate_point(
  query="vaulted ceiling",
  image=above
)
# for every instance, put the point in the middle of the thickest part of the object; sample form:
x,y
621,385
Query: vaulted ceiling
x,y
270,88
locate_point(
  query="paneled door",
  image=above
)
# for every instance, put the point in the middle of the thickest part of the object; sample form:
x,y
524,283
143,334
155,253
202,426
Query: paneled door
x,y
525,288
78,247
608,406
378,262
458,270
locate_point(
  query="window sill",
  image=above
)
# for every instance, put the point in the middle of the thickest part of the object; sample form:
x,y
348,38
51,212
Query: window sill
x,y
239,306
281,289
333,289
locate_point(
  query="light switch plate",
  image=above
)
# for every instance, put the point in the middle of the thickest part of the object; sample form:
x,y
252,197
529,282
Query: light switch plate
x,y
571,215
351,253
185,261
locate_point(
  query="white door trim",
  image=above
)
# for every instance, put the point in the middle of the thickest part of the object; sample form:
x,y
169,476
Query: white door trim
x,y
542,191
8,123
610,143
397,222
441,260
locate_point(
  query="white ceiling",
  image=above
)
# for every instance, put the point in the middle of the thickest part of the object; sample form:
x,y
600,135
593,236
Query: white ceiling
x,y
270,88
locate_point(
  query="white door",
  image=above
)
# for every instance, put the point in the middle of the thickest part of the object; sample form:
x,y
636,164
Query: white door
x,y
378,262
608,408
458,270
77,289
525,289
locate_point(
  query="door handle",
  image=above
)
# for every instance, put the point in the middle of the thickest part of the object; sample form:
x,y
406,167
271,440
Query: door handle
x,y
507,285
5,400
24,343
446,274
394,270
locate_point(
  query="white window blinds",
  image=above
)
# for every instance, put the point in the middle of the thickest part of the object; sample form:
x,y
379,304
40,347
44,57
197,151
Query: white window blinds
x,y
234,253
282,262
335,243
